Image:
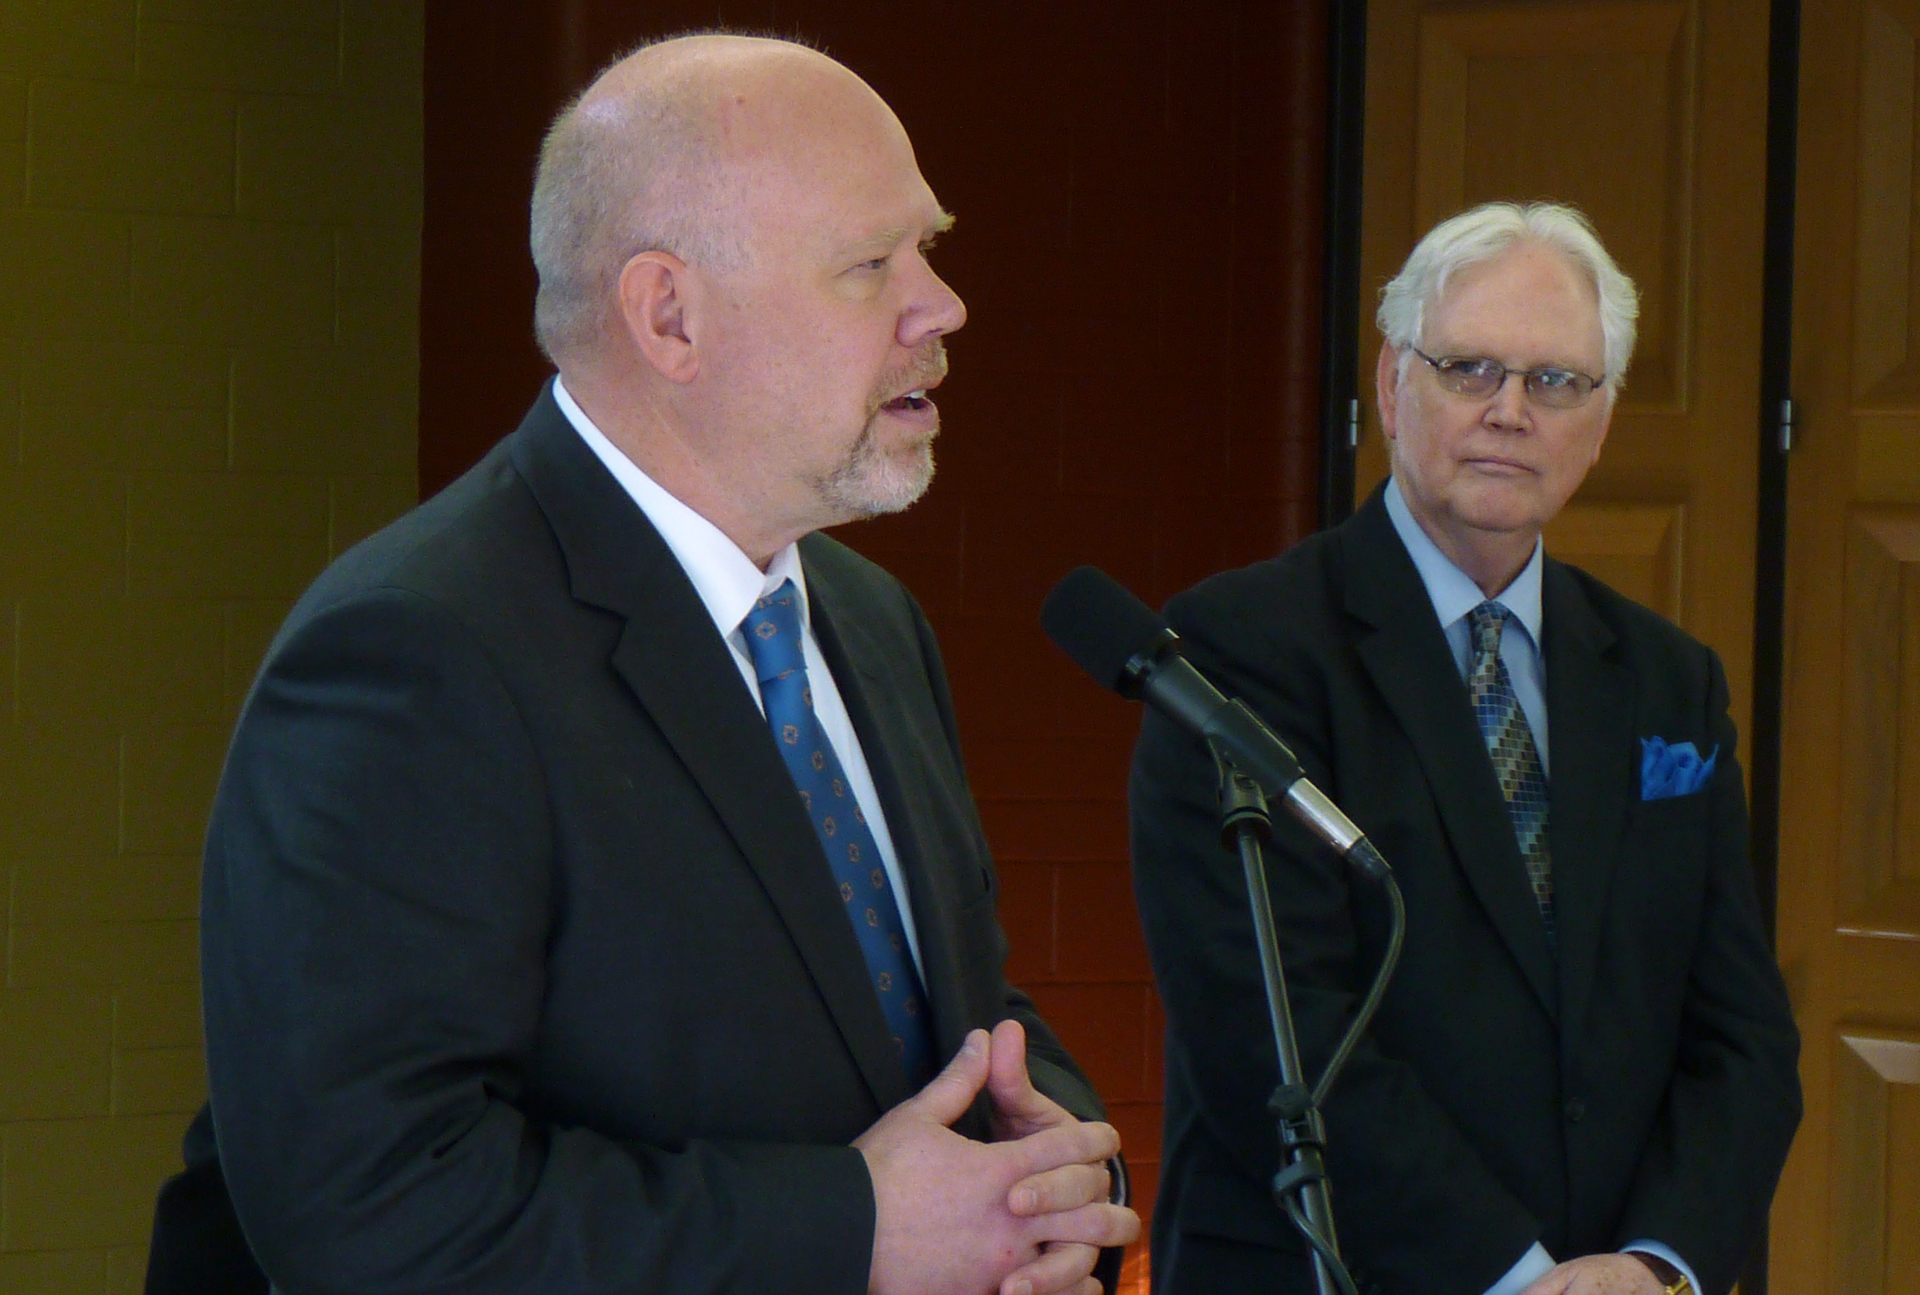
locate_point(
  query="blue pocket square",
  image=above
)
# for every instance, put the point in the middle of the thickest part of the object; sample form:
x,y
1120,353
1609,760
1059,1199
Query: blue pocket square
x,y
1673,769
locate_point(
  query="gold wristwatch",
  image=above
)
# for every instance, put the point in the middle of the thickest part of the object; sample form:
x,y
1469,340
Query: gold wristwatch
x,y
1671,1278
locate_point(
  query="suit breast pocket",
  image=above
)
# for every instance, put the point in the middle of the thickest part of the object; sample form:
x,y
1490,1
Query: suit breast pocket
x,y
1666,852
1671,813
974,908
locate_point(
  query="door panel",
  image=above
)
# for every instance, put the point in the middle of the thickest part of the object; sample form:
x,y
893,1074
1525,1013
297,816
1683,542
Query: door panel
x,y
1635,548
1848,1216
1878,879
1877,1179
1607,123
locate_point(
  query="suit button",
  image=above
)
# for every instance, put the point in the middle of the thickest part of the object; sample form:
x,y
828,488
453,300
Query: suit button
x,y
1576,1110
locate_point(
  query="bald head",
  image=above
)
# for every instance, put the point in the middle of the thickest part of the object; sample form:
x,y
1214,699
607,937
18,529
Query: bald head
x,y
661,153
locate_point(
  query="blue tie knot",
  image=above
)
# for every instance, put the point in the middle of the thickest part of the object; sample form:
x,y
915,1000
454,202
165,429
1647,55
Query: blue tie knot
x,y
772,631
1487,621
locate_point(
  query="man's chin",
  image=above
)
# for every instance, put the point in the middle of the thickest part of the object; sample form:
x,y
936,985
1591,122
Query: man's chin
x,y
880,485
898,494
1503,511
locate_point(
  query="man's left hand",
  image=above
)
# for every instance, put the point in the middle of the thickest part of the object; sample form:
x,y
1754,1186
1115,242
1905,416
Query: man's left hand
x,y
1598,1275
1020,1109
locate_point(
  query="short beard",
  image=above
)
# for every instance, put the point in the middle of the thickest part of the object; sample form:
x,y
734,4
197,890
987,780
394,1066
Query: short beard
x,y
869,482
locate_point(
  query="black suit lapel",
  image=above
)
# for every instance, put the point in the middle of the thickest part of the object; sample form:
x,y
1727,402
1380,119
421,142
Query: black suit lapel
x,y
865,670
1409,661
684,676
1590,729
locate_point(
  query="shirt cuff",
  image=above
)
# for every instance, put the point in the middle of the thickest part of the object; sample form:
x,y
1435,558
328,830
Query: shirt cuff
x,y
1534,1264
1659,1251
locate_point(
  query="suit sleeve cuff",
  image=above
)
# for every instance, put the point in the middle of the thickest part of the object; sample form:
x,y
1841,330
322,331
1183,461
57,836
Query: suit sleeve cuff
x,y
1066,1088
1659,1251
1534,1264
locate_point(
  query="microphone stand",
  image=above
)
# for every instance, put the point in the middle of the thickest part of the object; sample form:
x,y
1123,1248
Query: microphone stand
x,y
1300,1188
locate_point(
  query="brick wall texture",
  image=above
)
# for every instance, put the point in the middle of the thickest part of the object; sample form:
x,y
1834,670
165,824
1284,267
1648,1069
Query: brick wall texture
x,y
209,267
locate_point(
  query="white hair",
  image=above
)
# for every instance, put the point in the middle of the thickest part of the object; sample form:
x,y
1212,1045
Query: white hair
x,y
1482,233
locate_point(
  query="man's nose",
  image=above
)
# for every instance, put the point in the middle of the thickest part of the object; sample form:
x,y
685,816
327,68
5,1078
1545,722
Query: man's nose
x,y
1510,406
934,310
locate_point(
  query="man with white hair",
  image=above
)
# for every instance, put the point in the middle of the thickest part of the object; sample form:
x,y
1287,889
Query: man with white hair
x,y
1582,1081
594,901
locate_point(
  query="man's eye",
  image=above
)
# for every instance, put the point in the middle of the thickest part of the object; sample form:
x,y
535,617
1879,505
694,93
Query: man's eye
x,y
1554,378
1470,370
877,263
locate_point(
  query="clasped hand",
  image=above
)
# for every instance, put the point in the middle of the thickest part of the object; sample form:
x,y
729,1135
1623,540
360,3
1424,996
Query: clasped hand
x,y
1024,1215
1606,1274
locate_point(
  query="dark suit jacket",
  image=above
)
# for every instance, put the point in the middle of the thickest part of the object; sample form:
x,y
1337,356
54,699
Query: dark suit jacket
x,y
524,970
1636,1082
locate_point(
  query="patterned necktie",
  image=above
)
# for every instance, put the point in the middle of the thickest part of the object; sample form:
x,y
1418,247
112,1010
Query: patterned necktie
x,y
1509,738
772,631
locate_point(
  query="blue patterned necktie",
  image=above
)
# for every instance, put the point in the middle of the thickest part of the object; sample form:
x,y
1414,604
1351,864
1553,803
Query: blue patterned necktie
x,y
772,630
1509,738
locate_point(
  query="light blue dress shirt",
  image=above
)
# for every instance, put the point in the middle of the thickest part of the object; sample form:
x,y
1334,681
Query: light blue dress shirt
x,y
1454,594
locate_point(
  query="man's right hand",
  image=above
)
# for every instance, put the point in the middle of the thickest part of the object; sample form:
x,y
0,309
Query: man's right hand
x,y
943,1225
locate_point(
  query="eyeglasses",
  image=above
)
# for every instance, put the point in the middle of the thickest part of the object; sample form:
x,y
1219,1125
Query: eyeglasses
x,y
1480,377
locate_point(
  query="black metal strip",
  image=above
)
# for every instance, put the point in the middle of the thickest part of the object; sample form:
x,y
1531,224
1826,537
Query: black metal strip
x,y
1770,567
1340,314
1776,371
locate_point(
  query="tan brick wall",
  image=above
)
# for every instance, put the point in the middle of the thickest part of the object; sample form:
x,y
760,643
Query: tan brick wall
x,y
209,280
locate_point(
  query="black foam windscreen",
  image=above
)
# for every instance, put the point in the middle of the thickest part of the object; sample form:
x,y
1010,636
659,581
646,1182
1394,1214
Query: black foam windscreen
x,y
1093,619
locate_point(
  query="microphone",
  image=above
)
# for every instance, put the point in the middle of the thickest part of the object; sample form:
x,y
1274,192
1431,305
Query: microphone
x,y
1126,646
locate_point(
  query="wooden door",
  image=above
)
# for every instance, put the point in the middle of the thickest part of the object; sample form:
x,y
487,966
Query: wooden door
x,y
1847,1219
1649,115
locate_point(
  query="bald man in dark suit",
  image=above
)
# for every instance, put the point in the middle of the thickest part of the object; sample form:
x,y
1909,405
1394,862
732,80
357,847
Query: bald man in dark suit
x,y
594,900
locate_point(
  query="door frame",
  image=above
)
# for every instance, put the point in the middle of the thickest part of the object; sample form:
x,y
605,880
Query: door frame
x,y
1340,326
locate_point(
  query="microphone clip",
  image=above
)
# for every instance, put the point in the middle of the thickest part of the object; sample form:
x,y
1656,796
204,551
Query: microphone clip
x,y
1132,683
1243,802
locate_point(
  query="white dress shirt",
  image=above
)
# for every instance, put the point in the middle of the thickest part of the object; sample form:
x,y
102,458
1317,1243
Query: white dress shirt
x,y
1454,594
729,584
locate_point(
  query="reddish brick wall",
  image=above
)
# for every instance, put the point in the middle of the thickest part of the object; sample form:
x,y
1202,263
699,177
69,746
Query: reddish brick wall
x,y
1139,192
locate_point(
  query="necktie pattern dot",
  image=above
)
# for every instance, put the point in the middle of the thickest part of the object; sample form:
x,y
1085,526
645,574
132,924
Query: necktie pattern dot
x,y
772,631
1516,760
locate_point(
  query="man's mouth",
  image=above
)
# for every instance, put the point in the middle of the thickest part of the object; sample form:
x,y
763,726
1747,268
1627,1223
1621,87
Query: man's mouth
x,y
911,400
1499,466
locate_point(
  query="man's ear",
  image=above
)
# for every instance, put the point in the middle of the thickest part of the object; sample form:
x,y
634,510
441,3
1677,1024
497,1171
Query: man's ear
x,y
654,293
1606,424
1386,389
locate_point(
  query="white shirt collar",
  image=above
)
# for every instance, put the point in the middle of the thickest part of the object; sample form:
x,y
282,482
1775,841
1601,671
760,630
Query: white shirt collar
x,y
723,575
1452,590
